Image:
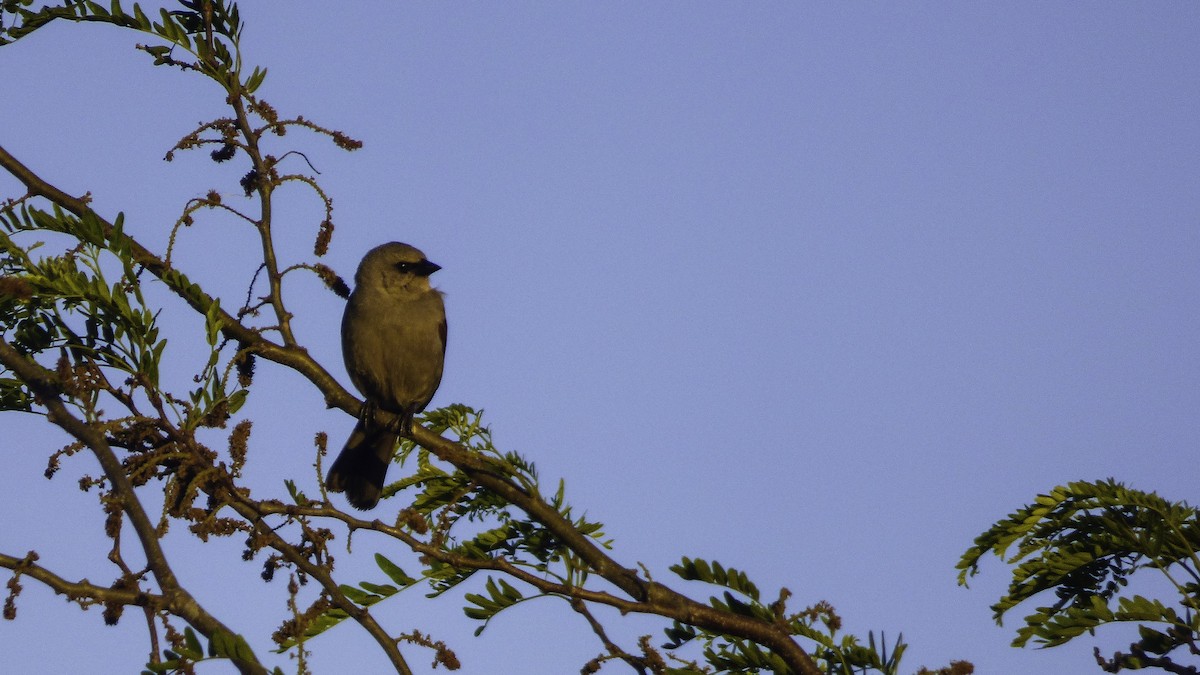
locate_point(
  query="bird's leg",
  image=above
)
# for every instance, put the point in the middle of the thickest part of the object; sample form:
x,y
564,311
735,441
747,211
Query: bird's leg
x,y
366,415
404,424
401,424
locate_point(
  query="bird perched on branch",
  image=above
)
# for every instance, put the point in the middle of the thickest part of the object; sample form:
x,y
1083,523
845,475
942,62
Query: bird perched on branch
x,y
394,344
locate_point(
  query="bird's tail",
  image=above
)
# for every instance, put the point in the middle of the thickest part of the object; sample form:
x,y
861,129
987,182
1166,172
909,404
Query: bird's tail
x,y
361,468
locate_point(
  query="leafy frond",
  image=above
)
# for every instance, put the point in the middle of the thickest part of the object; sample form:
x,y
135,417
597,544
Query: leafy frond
x,y
1083,542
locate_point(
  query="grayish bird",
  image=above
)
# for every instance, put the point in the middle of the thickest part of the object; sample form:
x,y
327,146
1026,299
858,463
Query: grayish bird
x,y
394,344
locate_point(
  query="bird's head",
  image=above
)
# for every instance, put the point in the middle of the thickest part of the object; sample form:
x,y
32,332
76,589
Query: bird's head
x,y
395,267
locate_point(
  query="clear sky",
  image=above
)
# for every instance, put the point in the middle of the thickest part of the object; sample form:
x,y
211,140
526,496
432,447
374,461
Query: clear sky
x,y
817,290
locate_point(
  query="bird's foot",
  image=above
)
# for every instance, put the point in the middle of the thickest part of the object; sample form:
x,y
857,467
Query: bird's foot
x,y
403,424
366,415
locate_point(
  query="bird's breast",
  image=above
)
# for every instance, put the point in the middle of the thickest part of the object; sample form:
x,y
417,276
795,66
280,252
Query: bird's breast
x,y
394,351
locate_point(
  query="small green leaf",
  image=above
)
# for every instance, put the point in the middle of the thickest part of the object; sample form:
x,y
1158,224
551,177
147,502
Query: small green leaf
x,y
359,597
195,649
212,322
236,400
255,80
140,17
382,590
393,571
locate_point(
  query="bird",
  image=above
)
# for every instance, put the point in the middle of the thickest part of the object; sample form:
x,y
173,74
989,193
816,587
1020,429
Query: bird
x,y
394,346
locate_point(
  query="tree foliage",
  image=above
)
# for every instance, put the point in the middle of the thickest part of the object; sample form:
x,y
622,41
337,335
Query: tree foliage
x,y
80,345
1085,541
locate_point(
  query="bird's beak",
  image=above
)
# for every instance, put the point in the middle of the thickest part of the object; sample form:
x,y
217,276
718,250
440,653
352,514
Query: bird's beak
x,y
425,268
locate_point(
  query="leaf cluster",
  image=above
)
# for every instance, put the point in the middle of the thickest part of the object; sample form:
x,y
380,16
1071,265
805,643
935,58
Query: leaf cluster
x,y
818,623
208,32
64,304
1081,543
191,651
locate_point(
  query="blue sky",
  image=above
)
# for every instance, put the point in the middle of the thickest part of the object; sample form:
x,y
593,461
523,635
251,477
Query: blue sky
x,y
819,291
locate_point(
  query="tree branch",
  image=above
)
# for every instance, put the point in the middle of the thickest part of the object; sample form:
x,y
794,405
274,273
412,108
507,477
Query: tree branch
x,y
293,357
252,512
652,597
655,598
179,601
79,591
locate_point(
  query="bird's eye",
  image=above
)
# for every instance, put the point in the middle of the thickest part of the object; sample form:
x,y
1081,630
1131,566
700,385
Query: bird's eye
x,y
404,266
